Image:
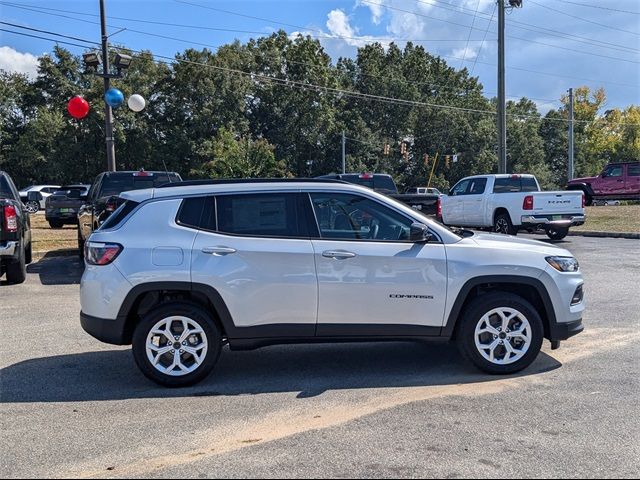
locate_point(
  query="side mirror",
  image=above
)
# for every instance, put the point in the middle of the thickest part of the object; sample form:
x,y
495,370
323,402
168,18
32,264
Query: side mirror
x,y
419,233
34,197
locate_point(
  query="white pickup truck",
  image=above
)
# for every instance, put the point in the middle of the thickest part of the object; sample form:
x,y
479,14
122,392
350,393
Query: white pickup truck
x,y
509,203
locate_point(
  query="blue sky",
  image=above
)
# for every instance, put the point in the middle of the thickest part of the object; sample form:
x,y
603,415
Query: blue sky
x,y
541,62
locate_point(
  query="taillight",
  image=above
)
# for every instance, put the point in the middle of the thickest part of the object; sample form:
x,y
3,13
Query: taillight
x,y
10,219
111,206
99,253
584,200
439,208
528,203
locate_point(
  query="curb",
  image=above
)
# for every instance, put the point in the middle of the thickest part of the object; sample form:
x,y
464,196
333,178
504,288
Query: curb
x,y
628,235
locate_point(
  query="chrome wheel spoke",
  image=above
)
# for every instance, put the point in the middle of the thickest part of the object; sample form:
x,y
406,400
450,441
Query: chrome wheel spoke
x,y
501,351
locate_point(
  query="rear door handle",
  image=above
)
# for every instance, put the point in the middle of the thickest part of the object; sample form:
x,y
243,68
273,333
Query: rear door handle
x,y
219,251
338,254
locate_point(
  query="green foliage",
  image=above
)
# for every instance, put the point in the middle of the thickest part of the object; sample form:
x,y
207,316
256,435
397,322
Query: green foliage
x,y
204,121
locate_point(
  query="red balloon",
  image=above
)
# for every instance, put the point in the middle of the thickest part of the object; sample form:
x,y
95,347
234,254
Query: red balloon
x,y
78,107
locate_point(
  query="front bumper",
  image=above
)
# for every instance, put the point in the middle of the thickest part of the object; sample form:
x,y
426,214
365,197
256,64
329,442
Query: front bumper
x,y
8,249
564,331
553,221
105,330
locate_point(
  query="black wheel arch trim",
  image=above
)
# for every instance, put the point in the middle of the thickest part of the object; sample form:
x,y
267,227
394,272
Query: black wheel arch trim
x,y
585,187
463,294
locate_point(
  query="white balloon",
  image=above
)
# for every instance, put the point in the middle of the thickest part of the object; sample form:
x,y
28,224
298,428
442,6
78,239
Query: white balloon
x,y
136,103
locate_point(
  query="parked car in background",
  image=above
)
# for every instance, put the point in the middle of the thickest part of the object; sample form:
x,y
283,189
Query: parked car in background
x,y
618,181
509,203
34,205
63,206
260,263
383,183
423,191
15,232
103,197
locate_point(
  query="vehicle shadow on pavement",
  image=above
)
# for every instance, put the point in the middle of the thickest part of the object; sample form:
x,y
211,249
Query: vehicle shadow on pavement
x,y
56,269
308,370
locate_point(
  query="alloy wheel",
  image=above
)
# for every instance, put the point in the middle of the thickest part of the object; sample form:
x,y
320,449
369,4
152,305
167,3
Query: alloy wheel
x,y
176,346
503,336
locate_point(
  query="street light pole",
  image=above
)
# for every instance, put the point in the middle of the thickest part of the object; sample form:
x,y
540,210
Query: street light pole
x,y
108,112
502,108
571,170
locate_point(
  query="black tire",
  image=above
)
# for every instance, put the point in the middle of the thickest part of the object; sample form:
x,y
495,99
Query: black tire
x,y
502,224
56,224
472,316
17,269
588,199
80,245
184,309
557,234
28,254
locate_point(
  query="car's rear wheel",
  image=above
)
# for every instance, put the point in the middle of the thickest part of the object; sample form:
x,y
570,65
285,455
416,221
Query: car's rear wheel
x,y
56,224
502,224
557,234
177,344
17,269
32,207
500,333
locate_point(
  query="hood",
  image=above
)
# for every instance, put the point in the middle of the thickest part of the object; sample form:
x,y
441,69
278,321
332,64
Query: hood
x,y
499,241
582,180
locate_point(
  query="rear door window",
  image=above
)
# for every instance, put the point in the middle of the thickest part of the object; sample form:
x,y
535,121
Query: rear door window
x,y
261,215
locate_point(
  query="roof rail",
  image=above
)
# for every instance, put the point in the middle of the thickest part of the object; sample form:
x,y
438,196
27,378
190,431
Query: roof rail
x,y
232,181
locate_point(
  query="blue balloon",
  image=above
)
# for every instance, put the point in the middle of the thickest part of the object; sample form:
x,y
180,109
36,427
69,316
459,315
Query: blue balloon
x,y
114,97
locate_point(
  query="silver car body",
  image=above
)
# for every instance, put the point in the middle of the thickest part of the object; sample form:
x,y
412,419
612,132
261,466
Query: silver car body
x,y
276,281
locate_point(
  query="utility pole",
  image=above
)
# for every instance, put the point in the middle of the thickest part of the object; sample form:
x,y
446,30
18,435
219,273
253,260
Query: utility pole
x,y
344,153
108,112
502,107
571,137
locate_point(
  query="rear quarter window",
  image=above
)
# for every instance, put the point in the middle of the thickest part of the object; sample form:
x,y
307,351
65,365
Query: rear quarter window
x,y
634,170
199,212
119,215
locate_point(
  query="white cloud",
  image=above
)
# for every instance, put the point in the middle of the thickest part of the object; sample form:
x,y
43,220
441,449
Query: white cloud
x,y
468,53
377,10
339,26
13,61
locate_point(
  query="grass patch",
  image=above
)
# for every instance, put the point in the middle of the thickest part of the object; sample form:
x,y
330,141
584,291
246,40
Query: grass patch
x,y
621,219
47,239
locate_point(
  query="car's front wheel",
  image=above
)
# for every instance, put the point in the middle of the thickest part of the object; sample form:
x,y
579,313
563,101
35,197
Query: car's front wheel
x,y
500,333
177,344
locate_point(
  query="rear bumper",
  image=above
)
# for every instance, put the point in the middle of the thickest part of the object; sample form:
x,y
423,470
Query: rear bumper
x,y
8,249
553,220
564,331
105,330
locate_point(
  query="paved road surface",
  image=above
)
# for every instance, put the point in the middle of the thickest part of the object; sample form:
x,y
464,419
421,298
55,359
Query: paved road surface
x,y
71,406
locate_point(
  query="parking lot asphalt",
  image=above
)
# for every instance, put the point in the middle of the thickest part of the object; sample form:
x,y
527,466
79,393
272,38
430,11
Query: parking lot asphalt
x,y
72,407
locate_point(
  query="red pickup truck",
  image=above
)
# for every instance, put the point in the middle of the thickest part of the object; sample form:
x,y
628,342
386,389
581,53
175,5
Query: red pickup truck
x,y
618,181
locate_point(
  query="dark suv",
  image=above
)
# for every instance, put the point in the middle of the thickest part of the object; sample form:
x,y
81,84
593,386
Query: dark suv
x,y
103,197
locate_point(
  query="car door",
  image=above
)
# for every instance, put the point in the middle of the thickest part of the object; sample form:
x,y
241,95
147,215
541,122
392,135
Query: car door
x,y
372,281
612,181
258,256
453,204
632,185
474,202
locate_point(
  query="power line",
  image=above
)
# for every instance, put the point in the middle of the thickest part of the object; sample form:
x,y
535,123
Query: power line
x,y
510,36
533,28
599,6
47,32
475,60
54,40
583,19
338,92
38,10
473,23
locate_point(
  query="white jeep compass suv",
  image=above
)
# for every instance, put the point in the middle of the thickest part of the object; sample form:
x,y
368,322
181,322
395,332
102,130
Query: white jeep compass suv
x,y
181,271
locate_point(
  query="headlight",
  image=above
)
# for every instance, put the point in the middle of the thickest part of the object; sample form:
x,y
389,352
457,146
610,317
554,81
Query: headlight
x,y
564,264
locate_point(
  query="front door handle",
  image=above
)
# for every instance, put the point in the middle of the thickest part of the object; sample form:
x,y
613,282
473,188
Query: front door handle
x,y
219,251
338,254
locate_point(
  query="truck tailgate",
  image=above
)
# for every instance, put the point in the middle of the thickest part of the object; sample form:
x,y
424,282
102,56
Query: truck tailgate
x,y
557,202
